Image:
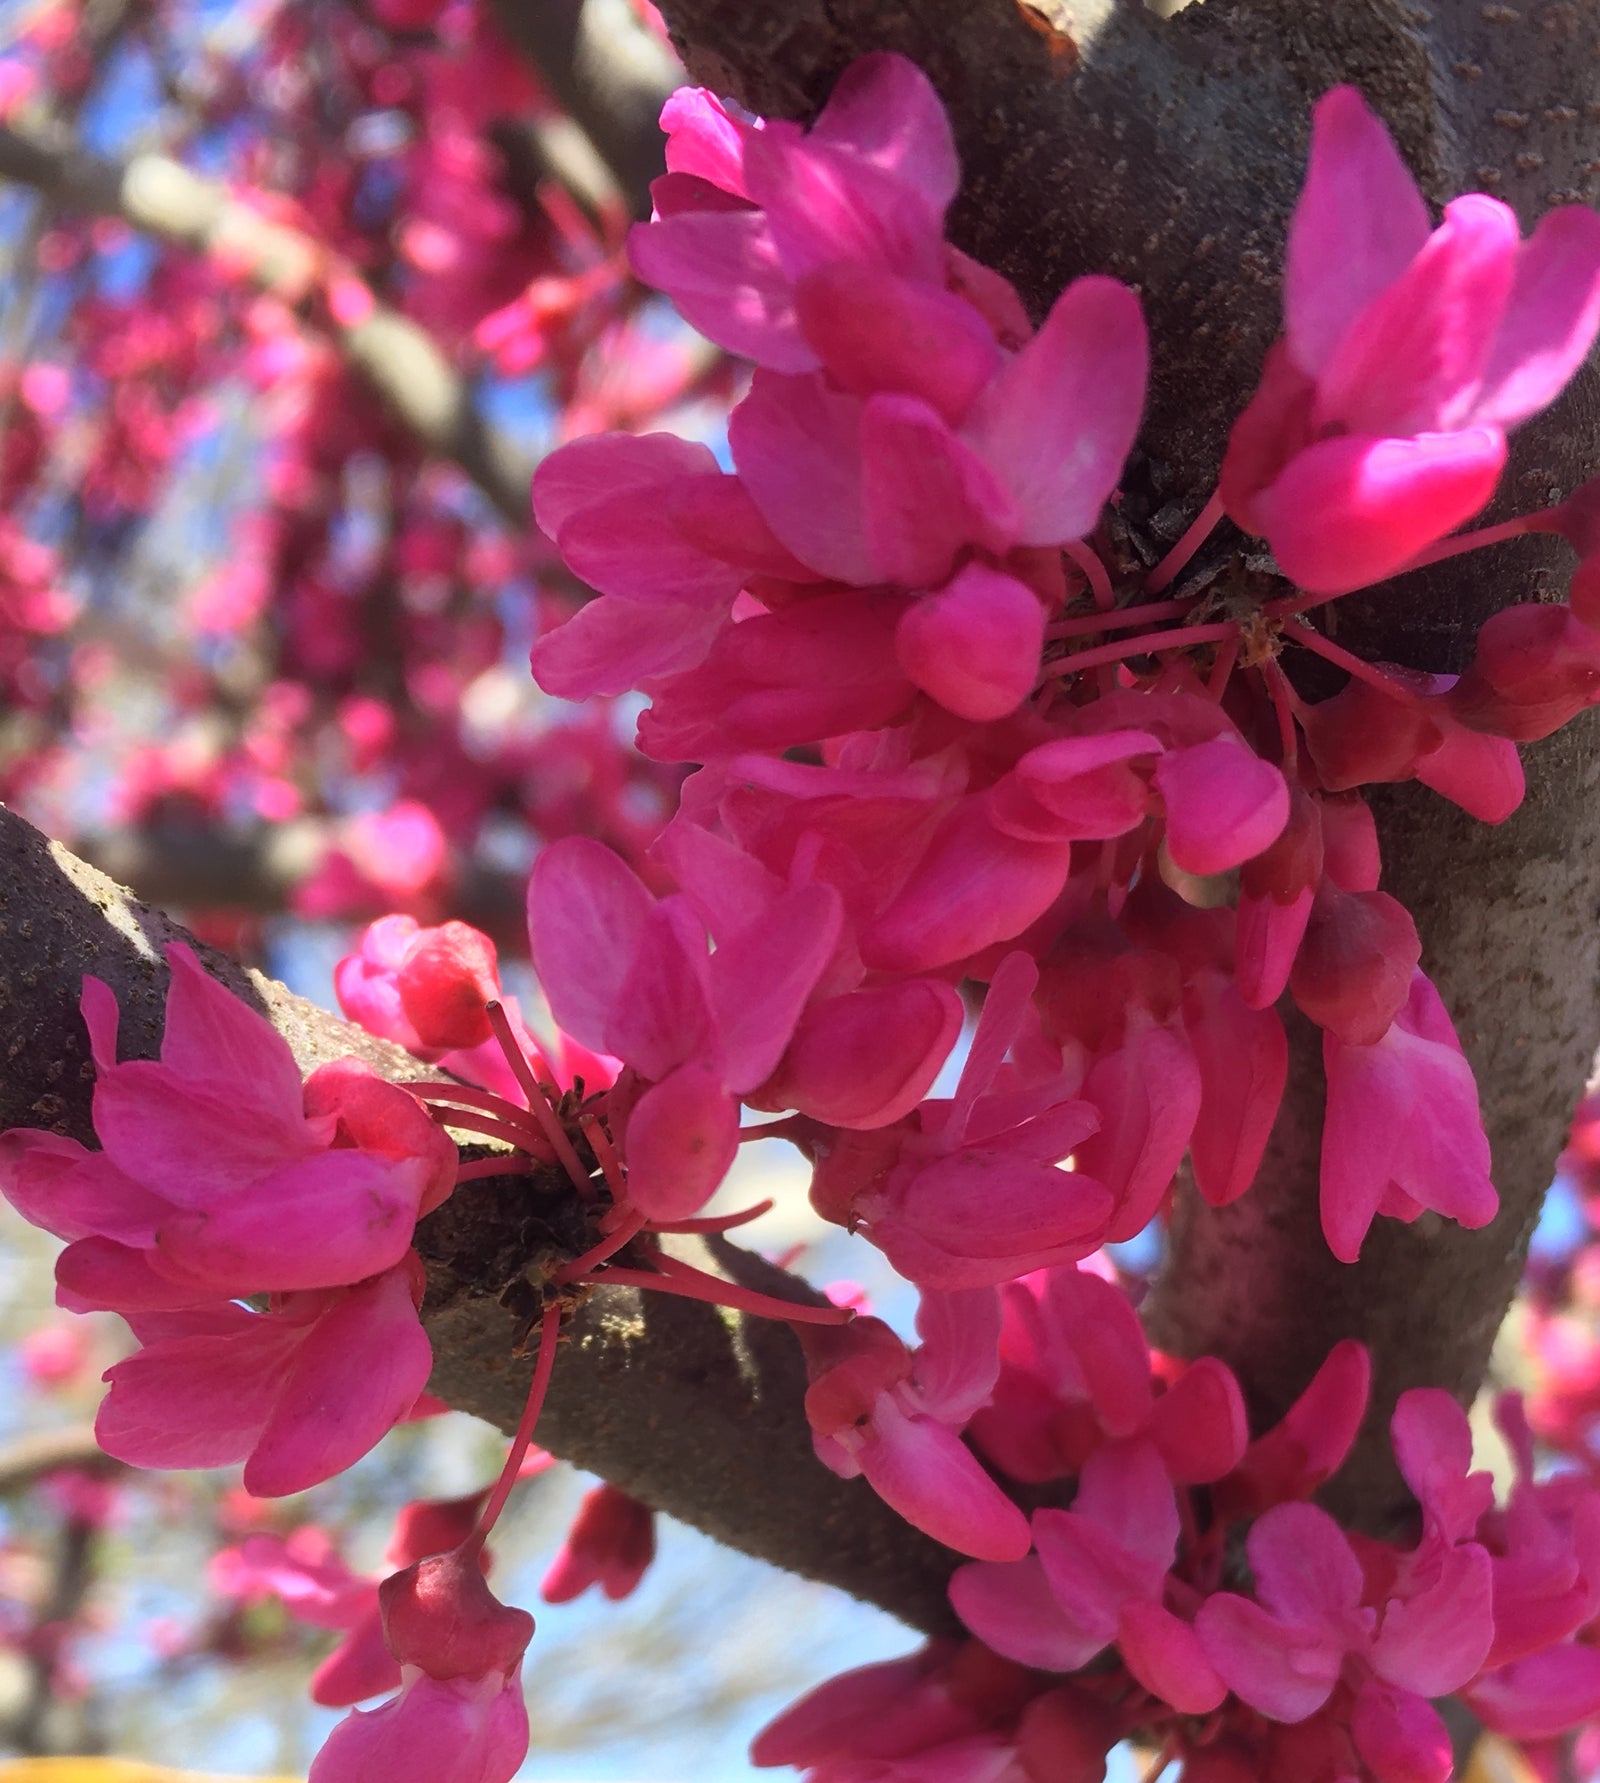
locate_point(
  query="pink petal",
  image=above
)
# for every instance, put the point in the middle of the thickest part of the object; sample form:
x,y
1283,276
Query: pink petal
x,y
335,1217
197,1401
1199,1423
723,273
1483,775
1410,363
585,473
926,496
1550,320
703,139
1126,1499
868,1058
97,1274
212,1036
1286,1673
1080,788
612,645
1010,1607
760,980
874,331
1436,1641
354,1378
586,920
938,1485
1304,1569
682,1138
1100,1327
62,1187
974,645
1057,423
1433,1445
797,445
980,1217
1165,1655
1353,510
1243,1056
1400,1736
959,1359
454,1730
1538,1698
1148,1097
1359,221
627,545
1224,804
972,888
884,109
662,1013
359,1667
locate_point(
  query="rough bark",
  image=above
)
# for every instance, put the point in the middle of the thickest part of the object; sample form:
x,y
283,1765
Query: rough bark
x,y
692,1409
1096,137
399,360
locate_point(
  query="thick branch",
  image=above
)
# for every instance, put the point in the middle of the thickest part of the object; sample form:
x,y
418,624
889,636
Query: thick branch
x,y
1098,138
398,359
693,1410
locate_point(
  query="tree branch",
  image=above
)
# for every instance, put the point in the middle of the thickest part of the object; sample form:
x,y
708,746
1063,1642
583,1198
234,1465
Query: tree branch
x,y
691,1409
1099,138
399,360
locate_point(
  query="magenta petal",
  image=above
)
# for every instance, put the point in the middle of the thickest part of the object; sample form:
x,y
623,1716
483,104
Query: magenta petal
x,y
1481,774
1359,222
974,645
451,1730
1410,363
334,1217
1304,1567
62,1187
1084,788
1436,1641
1057,423
1537,1698
627,545
587,912
938,1485
760,980
1165,1655
97,1274
925,495
1010,1607
721,269
1550,320
682,1138
959,1358
981,1217
1224,805
584,473
866,1059
884,109
662,1013
359,1667
1352,510
212,1036
1107,1343
1199,1423
612,645
356,1375
875,331
797,445
1287,1673
1126,1499
195,1139
197,1401
1433,1445
1400,1736
1243,1055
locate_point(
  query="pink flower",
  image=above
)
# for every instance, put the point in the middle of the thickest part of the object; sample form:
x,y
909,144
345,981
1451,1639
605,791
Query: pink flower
x,y
425,988
633,977
460,1716
610,1544
1402,1131
1381,418
222,1174
1100,1575
297,1393
892,1414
